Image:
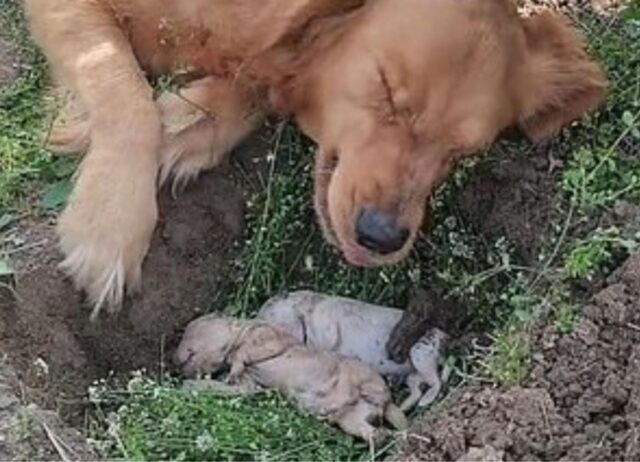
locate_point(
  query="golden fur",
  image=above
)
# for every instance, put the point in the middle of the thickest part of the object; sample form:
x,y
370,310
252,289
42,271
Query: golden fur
x,y
394,93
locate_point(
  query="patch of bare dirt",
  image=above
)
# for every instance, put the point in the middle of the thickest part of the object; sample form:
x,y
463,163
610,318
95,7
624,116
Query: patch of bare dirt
x,y
580,402
28,432
8,62
514,198
44,325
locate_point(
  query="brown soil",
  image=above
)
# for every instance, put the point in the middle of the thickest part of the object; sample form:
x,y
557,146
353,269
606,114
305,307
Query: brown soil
x,y
513,198
28,432
9,66
580,402
45,327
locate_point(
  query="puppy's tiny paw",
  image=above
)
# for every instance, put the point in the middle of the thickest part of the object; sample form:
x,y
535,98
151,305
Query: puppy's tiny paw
x,y
235,374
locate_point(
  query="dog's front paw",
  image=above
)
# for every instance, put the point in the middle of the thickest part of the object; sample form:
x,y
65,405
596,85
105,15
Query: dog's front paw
x,y
106,230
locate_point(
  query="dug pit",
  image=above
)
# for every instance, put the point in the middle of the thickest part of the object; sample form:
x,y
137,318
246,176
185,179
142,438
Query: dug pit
x,y
44,323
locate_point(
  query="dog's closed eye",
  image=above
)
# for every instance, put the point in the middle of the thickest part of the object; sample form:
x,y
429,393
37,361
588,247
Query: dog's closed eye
x,y
390,110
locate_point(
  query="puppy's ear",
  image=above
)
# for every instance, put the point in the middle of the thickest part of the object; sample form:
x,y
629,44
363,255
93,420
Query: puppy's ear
x,y
560,81
263,343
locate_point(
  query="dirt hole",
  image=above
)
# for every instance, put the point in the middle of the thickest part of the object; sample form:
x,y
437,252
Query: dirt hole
x,y
44,322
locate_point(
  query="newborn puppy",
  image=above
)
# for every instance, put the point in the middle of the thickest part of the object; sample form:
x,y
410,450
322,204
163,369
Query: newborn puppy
x,y
341,390
360,330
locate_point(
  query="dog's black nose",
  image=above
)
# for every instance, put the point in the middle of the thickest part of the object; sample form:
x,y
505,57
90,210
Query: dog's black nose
x,y
379,232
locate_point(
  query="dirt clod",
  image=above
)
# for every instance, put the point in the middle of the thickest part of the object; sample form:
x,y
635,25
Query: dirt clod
x,y
483,454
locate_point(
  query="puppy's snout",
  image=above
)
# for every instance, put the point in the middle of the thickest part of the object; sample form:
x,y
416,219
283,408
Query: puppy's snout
x,y
379,232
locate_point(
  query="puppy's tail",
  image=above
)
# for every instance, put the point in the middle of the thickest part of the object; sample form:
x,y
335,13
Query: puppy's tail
x,y
394,415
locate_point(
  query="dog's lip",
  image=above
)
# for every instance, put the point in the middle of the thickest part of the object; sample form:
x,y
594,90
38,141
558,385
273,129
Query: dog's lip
x,y
357,255
324,172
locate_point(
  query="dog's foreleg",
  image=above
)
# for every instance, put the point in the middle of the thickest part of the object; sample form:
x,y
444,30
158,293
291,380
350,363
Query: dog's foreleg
x,y
202,123
106,228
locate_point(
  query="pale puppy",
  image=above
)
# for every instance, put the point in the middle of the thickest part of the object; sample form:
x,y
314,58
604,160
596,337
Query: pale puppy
x,y
360,330
341,390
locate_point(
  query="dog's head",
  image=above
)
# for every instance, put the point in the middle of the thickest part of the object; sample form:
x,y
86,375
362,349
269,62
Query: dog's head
x,y
399,91
205,345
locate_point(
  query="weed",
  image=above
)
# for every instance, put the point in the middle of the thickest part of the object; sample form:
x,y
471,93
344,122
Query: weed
x,y
593,253
24,163
596,178
508,362
566,318
159,421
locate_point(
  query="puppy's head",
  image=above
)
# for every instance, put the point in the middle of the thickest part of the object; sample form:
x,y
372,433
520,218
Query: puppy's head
x,y
205,345
403,90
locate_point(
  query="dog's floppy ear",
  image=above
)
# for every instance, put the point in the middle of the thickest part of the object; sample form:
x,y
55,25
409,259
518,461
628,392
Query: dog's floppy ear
x,y
309,34
560,82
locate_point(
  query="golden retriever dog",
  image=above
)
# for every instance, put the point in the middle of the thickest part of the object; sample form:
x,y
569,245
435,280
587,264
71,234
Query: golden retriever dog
x,y
341,390
394,92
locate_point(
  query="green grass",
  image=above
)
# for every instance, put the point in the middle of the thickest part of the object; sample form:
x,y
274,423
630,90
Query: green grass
x,y
25,114
153,419
163,422
593,254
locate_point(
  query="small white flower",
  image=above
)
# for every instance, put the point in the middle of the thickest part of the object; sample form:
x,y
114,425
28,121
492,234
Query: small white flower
x,y
205,441
42,365
414,275
308,263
